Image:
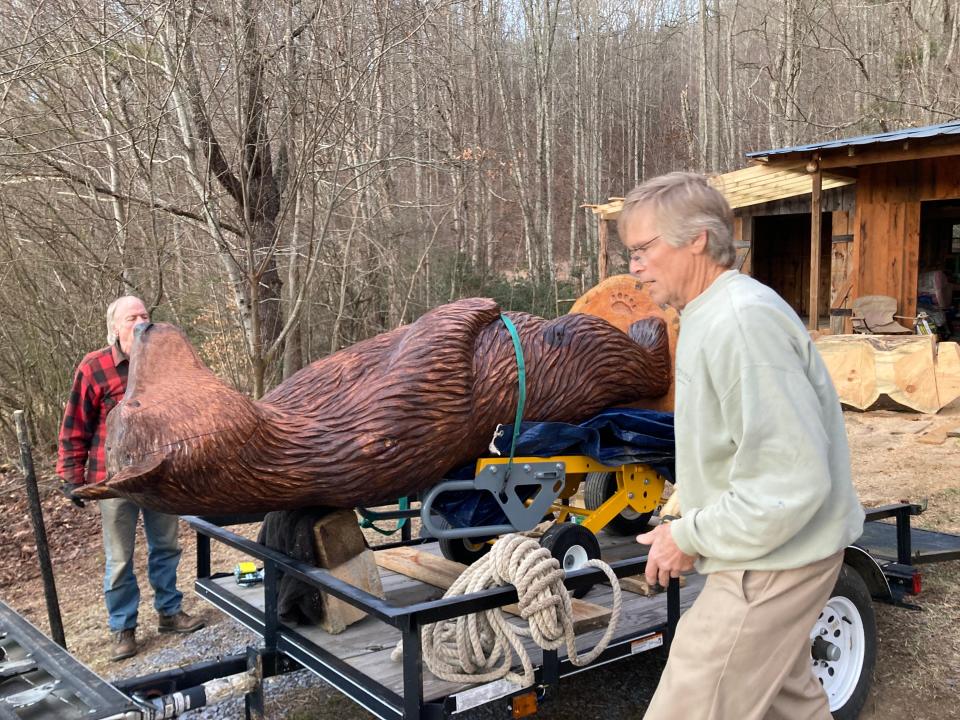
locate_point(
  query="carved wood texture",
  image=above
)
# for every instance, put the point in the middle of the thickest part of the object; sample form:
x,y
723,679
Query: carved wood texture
x,y
380,419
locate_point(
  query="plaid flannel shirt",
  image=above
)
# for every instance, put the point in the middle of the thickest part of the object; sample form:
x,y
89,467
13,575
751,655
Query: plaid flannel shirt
x,y
99,384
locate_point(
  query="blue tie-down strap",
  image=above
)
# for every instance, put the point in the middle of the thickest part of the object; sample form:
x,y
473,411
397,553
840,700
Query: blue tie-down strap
x,y
612,437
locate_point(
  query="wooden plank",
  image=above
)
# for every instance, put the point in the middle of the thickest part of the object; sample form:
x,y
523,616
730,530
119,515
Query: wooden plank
x,y
442,573
910,277
815,232
420,565
841,295
746,266
889,154
938,435
639,586
602,250
841,277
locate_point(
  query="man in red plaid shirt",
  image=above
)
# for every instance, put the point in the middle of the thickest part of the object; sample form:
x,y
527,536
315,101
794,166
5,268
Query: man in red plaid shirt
x,y
99,384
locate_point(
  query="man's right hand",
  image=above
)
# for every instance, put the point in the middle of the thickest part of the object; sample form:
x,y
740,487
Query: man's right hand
x,y
67,490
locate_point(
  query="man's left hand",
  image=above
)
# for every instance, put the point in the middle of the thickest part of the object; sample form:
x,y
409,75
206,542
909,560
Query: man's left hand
x,y
67,490
665,559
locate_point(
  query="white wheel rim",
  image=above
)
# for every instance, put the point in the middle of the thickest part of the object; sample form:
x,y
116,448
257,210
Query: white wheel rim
x,y
840,624
575,558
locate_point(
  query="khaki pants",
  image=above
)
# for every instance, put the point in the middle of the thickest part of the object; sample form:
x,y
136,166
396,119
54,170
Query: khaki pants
x,y
742,652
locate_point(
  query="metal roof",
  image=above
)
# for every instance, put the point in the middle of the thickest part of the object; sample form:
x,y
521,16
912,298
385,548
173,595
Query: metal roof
x,y
750,186
928,131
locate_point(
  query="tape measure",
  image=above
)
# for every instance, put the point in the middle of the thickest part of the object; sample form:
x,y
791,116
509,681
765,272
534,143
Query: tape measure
x,y
246,573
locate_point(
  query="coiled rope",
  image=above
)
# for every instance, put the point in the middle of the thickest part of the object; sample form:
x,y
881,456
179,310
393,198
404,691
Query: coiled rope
x,y
479,647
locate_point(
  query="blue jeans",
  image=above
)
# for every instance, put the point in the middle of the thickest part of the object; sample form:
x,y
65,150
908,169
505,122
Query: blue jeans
x,y
121,592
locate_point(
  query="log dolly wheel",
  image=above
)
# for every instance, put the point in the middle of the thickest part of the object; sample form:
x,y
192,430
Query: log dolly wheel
x,y
843,645
572,545
600,487
462,550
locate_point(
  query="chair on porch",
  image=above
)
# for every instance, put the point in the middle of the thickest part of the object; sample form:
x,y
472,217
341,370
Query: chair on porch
x,y
874,315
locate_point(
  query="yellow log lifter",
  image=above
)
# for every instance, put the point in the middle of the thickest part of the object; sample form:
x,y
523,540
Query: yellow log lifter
x,y
638,488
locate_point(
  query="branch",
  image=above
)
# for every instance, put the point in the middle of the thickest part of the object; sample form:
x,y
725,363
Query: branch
x,y
216,160
66,175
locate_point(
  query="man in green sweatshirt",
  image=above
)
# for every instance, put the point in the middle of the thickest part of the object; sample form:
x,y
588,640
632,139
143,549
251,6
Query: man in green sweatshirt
x,y
763,468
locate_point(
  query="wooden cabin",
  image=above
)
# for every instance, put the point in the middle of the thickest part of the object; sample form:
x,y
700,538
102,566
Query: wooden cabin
x,y
870,215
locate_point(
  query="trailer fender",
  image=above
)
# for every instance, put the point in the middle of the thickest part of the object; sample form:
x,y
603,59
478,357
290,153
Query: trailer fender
x,y
871,572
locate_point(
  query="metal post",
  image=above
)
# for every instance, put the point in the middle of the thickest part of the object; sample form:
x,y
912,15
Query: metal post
x,y
271,610
203,556
412,669
39,531
673,610
904,548
551,669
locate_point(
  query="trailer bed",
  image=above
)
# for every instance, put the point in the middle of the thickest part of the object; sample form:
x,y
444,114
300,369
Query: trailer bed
x,y
358,663
926,546
361,654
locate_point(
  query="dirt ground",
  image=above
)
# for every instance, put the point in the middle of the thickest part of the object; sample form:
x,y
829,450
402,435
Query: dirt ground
x,y
918,666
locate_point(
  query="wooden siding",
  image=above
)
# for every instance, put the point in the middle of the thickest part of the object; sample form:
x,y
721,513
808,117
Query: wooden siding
x,y
886,242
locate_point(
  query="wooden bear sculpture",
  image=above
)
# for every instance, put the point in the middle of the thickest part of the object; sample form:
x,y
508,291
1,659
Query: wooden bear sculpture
x,y
378,420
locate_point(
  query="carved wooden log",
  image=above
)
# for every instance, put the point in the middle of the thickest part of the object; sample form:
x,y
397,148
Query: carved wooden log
x,y
621,300
375,421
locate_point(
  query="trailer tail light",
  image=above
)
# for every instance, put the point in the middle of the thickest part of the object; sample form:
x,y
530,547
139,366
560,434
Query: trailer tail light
x,y
917,583
524,705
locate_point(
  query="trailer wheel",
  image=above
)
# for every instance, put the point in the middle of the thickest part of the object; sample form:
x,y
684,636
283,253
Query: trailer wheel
x,y
600,486
572,545
843,645
461,550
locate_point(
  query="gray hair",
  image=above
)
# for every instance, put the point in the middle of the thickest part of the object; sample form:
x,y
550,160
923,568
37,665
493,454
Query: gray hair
x,y
685,204
111,311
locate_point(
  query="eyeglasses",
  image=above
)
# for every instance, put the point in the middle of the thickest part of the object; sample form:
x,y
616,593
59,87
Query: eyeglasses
x,y
638,254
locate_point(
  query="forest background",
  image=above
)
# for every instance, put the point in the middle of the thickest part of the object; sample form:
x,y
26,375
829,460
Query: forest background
x,y
284,178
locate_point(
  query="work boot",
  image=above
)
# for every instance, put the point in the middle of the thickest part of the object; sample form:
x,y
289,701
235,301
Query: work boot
x,y
179,622
124,644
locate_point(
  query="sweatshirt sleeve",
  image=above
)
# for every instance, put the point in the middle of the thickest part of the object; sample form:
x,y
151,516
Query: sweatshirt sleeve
x,y
780,474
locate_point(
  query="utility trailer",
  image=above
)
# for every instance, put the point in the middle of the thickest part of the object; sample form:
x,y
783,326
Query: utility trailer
x,y
882,566
39,679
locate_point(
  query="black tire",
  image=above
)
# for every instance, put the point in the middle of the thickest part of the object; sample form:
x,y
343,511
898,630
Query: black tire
x,y
600,486
461,550
849,621
571,545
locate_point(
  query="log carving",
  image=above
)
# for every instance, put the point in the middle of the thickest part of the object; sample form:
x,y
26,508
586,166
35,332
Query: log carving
x,y
380,419
621,300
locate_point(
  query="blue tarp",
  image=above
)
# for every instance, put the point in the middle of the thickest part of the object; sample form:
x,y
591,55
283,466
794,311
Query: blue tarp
x,y
612,437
